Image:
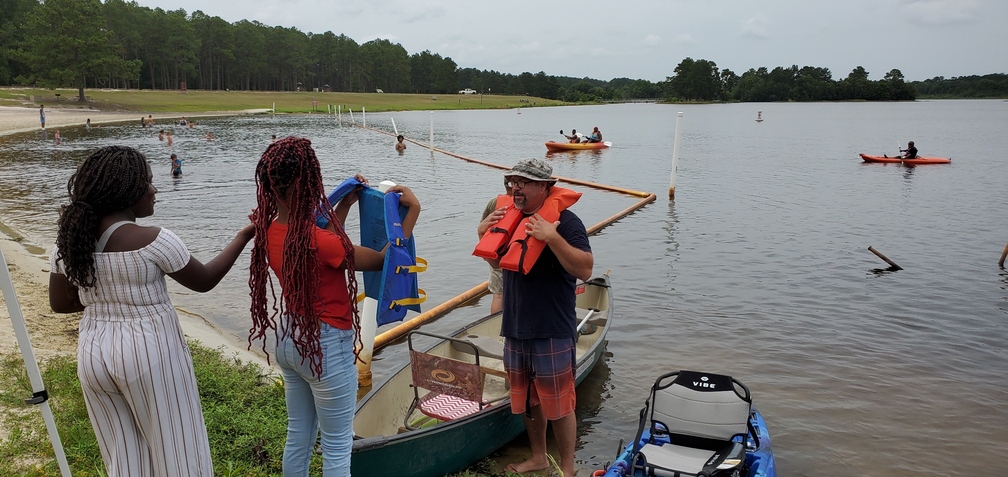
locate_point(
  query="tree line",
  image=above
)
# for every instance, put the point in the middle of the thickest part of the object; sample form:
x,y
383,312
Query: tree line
x,y
120,44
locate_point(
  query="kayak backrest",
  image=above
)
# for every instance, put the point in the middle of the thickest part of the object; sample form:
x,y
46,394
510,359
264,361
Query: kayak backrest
x,y
701,405
697,425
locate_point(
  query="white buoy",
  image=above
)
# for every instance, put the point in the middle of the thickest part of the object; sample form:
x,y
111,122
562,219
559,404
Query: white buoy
x,y
675,157
369,324
363,115
368,328
40,396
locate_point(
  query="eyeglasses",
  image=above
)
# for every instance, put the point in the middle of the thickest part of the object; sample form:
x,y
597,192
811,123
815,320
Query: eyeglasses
x,y
518,183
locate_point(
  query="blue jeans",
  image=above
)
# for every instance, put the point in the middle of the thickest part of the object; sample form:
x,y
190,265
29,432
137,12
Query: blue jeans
x,y
314,403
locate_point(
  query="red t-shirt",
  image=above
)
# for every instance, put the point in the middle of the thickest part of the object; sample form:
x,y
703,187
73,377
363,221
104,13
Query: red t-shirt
x,y
333,302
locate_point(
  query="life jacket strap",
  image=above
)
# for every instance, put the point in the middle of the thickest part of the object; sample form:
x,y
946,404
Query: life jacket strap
x,y
409,301
521,258
421,266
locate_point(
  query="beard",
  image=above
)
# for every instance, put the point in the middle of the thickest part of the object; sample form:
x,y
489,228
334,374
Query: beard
x,y
519,201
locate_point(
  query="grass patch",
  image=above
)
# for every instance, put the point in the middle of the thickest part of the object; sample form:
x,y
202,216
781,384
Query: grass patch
x,y
159,101
243,408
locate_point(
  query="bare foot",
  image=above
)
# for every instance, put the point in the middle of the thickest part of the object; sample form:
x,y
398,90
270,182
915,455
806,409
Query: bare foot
x,y
530,465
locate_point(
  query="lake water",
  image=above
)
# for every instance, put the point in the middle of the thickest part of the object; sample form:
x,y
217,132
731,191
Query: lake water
x,y
758,269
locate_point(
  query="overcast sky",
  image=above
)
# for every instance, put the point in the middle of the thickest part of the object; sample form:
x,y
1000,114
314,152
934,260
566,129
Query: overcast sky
x,y
646,39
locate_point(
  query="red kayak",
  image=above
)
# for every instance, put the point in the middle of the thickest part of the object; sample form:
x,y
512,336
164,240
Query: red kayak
x,y
909,162
577,146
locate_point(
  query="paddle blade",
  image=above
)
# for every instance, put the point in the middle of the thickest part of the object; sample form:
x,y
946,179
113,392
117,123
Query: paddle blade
x,y
607,143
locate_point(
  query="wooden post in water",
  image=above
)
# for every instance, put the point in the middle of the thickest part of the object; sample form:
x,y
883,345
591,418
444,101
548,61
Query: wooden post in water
x,y
1003,255
351,116
883,257
432,133
394,128
675,157
339,114
363,115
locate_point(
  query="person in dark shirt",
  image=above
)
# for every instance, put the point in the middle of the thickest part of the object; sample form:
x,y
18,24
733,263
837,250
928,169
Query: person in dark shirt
x,y
539,321
910,151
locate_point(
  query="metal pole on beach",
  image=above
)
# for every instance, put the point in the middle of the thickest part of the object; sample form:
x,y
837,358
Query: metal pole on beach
x,y
675,157
40,396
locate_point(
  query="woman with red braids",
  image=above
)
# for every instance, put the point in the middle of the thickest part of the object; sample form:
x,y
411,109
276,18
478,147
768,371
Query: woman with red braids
x,y
318,319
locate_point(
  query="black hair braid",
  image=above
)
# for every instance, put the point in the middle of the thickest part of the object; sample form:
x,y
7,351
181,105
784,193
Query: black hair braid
x,y
111,179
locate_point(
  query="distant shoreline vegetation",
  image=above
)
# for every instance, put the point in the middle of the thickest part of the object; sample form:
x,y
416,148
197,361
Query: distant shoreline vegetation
x,y
88,44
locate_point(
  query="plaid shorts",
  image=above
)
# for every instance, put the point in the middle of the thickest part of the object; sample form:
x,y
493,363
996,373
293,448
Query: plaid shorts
x,y
541,372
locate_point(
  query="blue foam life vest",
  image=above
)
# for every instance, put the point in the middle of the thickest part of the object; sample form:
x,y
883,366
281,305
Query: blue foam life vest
x,y
395,288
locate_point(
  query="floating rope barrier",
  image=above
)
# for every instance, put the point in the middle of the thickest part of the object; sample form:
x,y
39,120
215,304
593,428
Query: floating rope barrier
x,y
478,291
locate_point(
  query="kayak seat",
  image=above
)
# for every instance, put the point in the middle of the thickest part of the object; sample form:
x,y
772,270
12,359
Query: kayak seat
x,y
696,425
454,388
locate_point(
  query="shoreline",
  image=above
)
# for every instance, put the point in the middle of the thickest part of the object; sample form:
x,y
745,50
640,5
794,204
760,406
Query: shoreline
x,y
53,333
23,119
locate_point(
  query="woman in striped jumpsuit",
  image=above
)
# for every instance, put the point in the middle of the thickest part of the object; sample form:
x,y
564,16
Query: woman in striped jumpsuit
x,y
132,359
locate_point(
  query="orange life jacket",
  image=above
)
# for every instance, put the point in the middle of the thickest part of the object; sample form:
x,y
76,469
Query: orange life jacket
x,y
519,251
494,241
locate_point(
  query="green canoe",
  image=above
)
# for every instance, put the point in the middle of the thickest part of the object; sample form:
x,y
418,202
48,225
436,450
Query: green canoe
x,y
383,443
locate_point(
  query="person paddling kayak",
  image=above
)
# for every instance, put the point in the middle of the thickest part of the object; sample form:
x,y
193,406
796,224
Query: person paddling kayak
x,y
910,151
573,138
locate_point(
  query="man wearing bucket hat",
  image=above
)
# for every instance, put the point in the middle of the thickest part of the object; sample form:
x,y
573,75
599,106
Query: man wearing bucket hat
x,y
539,318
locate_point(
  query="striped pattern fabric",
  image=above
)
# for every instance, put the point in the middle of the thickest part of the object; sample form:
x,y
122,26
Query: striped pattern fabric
x,y
135,368
446,407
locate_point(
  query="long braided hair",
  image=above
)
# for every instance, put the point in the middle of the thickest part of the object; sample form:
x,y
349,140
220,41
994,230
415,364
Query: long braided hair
x,y
111,179
290,166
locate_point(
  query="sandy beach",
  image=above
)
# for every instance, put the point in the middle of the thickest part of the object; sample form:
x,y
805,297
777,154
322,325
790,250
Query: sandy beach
x,y
53,333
